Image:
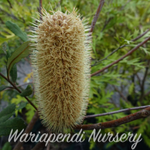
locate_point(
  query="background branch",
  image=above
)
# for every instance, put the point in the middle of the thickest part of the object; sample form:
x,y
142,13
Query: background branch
x,y
114,123
40,9
115,62
118,111
28,130
15,87
120,93
143,81
96,15
135,39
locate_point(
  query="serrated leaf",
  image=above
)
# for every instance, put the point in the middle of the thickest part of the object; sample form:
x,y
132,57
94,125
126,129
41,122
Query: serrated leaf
x,y
8,110
16,30
27,91
3,87
7,146
18,54
15,124
13,73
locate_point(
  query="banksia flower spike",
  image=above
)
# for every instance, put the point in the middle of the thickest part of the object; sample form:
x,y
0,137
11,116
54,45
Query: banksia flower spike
x,y
61,69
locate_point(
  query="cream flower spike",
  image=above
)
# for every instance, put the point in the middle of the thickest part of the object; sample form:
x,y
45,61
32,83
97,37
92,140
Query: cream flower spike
x,y
61,69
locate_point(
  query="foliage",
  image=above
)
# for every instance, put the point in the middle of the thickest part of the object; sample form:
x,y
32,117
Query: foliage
x,y
121,86
7,124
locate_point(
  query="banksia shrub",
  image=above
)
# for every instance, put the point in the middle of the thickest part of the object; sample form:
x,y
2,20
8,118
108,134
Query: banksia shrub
x,y
61,69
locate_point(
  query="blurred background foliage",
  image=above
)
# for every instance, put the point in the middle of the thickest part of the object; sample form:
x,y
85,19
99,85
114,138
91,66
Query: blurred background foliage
x,y
124,85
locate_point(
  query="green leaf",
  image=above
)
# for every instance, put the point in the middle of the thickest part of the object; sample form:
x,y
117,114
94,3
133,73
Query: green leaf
x,y
15,124
7,146
8,110
5,118
3,87
2,40
27,91
13,73
22,105
6,50
16,30
7,113
18,54
131,88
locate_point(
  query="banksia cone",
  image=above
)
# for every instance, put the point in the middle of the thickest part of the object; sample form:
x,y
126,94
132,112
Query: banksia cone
x,y
61,69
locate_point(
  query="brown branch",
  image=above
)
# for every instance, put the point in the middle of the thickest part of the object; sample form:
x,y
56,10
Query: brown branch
x,y
40,9
9,3
115,62
11,87
120,93
139,79
28,129
24,84
143,81
106,23
10,15
138,37
96,15
133,40
15,87
118,111
48,146
114,123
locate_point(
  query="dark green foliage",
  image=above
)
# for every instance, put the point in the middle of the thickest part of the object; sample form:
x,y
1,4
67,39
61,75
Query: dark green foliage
x,y
13,73
19,53
7,124
16,30
3,87
15,124
8,110
27,91
116,88
7,146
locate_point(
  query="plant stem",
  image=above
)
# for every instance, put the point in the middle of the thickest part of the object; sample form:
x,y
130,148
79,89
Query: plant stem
x,y
28,129
135,39
15,87
114,123
118,111
115,62
40,9
143,81
96,15
120,93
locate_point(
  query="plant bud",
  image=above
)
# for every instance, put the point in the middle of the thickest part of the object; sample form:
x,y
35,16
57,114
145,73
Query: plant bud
x,y
61,69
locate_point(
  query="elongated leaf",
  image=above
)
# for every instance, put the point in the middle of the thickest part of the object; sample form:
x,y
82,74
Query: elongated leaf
x,y
16,30
22,105
8,110
13,73
7,146
3,87
5,118
18,54
27,91
6,50
15,124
